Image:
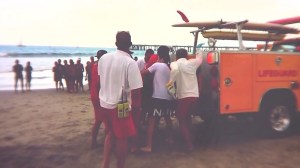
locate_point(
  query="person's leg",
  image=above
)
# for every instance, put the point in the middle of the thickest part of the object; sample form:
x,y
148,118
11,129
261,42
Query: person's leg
x,y
16,85
61,84
22,84
136,114
26,85
56,85
150,131
109,138
121,151
95,131
183,124
169,129
108,142
183,119
67,85
81,84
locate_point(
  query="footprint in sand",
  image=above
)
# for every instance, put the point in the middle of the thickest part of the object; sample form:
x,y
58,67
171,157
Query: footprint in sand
x,y
9,138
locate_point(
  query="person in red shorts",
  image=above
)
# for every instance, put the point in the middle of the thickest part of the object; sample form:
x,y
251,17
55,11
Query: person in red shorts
x,y
120,87
94,92
183,73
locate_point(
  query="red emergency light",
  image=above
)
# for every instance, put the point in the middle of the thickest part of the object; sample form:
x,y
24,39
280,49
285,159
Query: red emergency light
x,y
212,57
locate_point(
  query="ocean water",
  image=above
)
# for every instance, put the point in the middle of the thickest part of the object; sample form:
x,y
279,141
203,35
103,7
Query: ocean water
x,y
42,60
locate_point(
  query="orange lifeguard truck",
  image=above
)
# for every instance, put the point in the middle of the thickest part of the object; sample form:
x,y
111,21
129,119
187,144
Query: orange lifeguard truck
x,y
260,83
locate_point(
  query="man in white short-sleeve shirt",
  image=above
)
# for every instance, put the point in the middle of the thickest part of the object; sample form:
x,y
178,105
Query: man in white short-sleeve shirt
x,y
119,76
120,73
183,72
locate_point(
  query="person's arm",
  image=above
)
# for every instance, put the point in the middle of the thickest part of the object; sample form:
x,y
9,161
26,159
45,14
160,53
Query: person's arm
x,y
174,72
144,72
136,97
199,57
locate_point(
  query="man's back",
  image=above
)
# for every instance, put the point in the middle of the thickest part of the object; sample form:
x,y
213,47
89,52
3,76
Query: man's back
x,y
118,72
186,81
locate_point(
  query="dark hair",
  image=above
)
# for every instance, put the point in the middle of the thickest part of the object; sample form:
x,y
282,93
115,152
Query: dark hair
x,y
163,52
181,53
123,40
149,51
100,53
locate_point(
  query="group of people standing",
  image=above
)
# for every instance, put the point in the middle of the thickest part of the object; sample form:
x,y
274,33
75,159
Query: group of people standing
x,y
126,90
18,70
72,73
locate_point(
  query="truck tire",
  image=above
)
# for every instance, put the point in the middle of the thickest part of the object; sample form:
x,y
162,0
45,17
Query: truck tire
x,y
278,118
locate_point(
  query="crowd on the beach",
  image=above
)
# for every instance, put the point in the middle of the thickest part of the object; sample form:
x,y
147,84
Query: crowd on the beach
x,y
72,74
127,94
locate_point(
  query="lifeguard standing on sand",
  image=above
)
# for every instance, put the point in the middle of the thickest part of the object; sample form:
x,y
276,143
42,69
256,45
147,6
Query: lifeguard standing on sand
x,y
95,87
120,88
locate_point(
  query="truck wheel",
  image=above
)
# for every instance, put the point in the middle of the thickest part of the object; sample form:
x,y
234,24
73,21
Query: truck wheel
x,y
278,118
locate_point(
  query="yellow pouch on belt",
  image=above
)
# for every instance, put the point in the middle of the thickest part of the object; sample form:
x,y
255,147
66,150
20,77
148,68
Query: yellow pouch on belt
x,y
123,110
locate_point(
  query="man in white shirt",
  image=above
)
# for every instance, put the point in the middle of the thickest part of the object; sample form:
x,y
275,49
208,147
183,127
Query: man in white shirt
x,y
120,83
161,99
183,72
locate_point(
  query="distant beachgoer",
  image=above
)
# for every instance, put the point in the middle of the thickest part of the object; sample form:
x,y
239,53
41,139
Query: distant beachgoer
x,y
66,74
135,58
161,100
79,76
120,86
60,70
28,70
72,75
94,92
55,74
18,70
88,73
183,72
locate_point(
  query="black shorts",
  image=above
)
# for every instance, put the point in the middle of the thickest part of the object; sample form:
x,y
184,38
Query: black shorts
x,y
161,107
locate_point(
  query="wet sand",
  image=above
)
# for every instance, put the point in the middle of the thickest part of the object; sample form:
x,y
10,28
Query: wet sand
x,y
46,129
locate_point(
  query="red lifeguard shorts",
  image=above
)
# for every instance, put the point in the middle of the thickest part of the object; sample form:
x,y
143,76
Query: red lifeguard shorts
x,y
97,111
184,106
121,127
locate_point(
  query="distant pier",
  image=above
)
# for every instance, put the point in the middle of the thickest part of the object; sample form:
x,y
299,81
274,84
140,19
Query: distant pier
x,y
174,48
155,47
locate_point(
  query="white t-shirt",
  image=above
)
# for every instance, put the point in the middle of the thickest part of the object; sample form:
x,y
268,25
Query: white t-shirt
x,y
141,64
183,72
161,77
117,70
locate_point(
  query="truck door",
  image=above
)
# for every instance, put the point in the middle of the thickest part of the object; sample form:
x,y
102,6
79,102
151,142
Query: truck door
x,y
236,88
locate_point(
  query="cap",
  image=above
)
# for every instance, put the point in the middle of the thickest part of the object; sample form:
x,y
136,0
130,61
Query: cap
x,y
100,53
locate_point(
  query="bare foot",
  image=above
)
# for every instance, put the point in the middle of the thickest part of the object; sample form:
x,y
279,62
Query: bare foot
x,y
146,149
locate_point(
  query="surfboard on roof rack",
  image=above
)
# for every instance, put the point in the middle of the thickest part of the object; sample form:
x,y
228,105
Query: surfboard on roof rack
x,y
225,35
269,27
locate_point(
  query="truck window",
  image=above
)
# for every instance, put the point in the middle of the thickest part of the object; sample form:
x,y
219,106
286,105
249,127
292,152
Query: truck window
x,y
286,48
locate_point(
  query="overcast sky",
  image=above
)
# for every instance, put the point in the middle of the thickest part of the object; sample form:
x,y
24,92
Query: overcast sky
x,y
95,22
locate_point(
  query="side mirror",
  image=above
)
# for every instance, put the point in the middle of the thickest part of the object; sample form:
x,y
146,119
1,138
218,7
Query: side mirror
x,y
211,42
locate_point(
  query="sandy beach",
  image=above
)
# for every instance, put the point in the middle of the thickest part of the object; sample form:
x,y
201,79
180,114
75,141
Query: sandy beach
x,y
46,129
